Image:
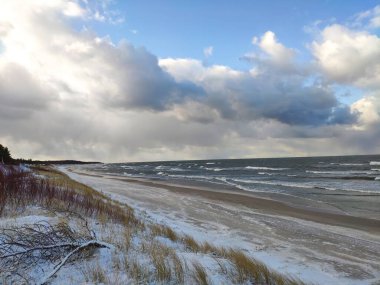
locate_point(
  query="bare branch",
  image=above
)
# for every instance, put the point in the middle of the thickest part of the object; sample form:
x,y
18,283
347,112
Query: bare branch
x,y
90,243
39,247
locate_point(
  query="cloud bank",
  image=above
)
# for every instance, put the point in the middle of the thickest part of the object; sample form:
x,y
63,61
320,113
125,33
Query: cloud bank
x,y
68,93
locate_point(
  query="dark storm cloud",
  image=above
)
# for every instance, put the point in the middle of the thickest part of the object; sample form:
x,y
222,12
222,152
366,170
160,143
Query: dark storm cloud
x,y
140,82
21,94
286,100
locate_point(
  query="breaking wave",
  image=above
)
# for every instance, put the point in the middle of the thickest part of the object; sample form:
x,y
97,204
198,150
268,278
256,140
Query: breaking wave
x,y
265,168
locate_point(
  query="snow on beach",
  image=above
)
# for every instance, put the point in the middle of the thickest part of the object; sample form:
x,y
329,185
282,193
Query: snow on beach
x,y
314,252
150,250
84,237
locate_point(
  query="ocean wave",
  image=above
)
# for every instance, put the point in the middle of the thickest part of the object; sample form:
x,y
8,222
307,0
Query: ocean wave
x,y
377,178
216,169
160,167
210,163
357,178
302,185
191,176
176,169
265,168
346,164
281,183
351,164
375,169
241,187
265,173
338,172
374,163
127,167
321,165
237,183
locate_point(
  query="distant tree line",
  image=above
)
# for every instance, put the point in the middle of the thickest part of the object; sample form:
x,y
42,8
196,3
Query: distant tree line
x,y
5,155
6,158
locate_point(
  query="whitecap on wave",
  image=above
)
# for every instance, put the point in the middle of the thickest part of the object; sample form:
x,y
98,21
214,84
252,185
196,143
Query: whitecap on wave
x,y
264,168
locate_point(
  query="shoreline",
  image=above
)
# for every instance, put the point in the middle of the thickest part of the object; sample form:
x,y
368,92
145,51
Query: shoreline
x,y
250,200
269,205
313,243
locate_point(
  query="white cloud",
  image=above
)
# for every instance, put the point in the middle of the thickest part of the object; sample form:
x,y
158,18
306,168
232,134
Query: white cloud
x,y
349,56
276,51
72,9
375,20
99,17
369,108
369,18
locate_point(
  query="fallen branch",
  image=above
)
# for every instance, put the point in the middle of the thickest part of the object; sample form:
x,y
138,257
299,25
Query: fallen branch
x,y
38,248
64,260
41,245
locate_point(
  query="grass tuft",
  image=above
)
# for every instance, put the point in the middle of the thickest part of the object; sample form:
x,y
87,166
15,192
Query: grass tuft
x,y
200,274
165,231
191,244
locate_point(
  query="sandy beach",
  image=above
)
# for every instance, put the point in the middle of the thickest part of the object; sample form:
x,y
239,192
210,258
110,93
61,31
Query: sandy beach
x,y
322,245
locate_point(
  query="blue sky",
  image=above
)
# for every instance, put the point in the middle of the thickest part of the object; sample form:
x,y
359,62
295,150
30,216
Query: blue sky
x,y
182,29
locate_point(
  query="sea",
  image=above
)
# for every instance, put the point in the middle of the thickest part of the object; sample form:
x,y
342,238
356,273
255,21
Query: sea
x,y
359,174
348,183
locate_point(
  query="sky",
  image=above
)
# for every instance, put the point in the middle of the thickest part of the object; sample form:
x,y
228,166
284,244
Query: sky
x,y
119,81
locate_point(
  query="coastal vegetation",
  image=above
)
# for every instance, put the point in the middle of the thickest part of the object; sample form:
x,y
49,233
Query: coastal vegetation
x,y
53,228
5,155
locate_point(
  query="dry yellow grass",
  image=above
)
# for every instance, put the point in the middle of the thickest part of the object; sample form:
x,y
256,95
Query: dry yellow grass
x,y
104,207
127,240
165,231
200,274
136,271
178,269
95,274
219,251
158,255
190,243
247,269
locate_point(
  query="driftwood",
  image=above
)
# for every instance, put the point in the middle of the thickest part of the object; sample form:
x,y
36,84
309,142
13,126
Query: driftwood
x,y
42,245
91,243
